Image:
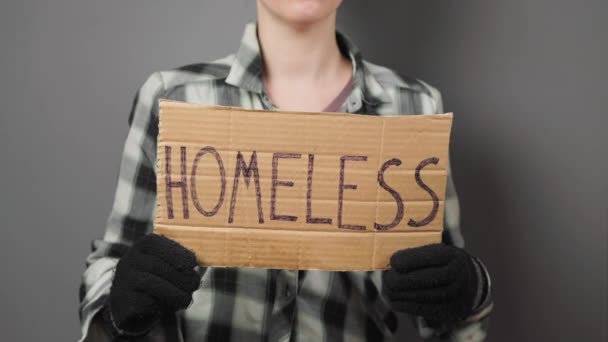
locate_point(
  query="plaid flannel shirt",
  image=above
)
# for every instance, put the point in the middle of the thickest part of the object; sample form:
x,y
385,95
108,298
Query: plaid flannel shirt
x,y
245,304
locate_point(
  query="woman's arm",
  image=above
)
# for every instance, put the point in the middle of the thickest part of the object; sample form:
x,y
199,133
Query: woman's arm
x,y
442,282
475,327
134,202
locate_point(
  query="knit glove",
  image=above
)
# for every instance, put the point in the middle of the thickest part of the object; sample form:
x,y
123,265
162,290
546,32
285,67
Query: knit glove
x,y
154,278
437,282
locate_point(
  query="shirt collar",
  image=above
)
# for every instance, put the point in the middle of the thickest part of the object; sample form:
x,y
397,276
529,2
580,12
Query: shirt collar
x,y
247,70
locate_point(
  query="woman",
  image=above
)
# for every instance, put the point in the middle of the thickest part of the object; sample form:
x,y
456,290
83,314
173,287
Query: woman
x,y
292,59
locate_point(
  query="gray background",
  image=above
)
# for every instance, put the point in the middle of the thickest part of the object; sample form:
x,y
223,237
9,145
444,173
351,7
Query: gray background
x,y
524,77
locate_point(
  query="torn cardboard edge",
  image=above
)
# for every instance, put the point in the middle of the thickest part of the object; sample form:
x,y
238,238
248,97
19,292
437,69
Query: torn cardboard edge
x,y
297,250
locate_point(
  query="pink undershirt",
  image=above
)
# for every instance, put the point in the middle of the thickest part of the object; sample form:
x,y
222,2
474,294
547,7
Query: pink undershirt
x,y
336,104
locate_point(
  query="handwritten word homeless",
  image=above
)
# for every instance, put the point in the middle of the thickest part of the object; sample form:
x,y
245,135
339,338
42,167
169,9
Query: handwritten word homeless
x,y
186,183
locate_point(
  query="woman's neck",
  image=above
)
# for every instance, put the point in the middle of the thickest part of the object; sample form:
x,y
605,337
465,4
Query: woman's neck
x,y
302,53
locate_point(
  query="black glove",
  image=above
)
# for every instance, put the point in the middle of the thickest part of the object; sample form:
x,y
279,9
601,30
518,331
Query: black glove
x,y
437,282
155,277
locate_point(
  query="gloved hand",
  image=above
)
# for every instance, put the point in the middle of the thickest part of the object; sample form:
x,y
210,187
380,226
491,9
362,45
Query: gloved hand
x,y
437,282
155,277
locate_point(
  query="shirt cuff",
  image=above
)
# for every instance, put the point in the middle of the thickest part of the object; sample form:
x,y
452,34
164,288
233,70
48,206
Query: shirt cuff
x,y
91,314
483,301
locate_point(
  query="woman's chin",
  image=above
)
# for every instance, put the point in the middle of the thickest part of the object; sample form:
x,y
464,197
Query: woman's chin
x,y
302,12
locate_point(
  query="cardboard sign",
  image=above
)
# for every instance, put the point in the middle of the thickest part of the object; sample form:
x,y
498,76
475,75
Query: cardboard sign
x,y
295,190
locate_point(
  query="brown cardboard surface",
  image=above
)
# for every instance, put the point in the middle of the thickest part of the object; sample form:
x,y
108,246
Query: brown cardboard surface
x,y
312,190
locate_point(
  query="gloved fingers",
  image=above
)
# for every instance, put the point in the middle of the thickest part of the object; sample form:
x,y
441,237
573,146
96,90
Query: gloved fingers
x,y
435,295
437,282
425,277
407,260
395,281
443,312
166,294
186,280
167,250
132,309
